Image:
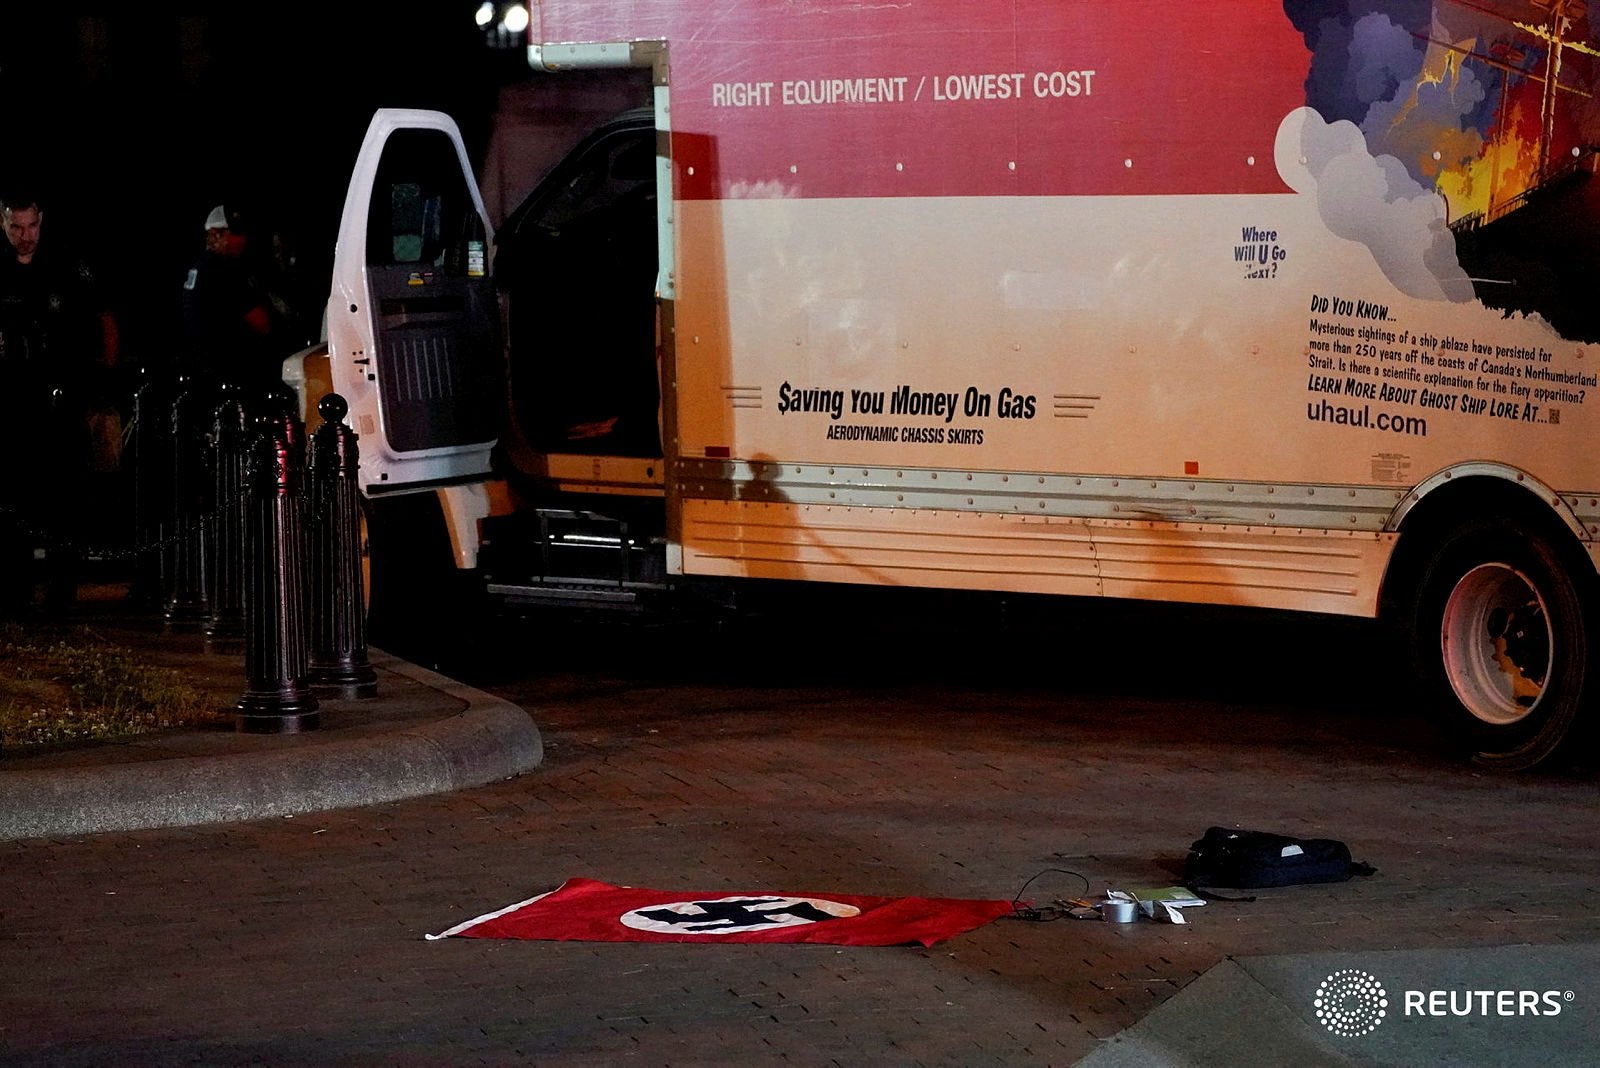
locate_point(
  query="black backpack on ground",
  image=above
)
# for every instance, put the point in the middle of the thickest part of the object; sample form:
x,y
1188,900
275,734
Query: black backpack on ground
x,y
1249,859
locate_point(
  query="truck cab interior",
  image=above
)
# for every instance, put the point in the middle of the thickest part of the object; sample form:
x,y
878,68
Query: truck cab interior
x,y
577,263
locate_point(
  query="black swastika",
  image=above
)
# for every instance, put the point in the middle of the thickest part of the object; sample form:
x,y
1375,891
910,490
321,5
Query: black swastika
x,y
745,912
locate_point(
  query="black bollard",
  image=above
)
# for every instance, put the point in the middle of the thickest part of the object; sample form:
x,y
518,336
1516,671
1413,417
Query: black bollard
x,y
277,699
151,464
282,405
338,616
230,453
186,606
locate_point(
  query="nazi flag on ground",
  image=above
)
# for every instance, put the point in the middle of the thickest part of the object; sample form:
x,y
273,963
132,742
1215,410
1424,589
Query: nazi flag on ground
x,y
588,910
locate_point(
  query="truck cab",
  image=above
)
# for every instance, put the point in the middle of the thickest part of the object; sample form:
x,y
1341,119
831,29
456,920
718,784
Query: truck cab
x,y
505,383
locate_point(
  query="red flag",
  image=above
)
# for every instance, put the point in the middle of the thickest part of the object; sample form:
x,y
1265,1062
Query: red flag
x,y
586,910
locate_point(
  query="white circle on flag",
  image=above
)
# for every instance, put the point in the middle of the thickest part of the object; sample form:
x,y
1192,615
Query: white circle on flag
x,y
739,914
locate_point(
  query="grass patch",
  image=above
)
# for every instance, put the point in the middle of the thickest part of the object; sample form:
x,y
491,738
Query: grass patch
x,y
65,685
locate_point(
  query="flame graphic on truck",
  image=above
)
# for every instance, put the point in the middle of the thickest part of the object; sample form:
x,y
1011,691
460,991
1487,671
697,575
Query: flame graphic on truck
x,y
1491,105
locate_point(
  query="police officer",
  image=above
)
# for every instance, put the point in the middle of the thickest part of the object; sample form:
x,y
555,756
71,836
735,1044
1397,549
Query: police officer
x,y
58,343
227,309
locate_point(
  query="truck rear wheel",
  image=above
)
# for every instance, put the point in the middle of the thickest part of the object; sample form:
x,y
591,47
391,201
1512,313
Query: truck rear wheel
x,y
1503,642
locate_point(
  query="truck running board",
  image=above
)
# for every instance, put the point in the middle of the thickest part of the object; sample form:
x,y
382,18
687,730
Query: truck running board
x,y
572,557
573,595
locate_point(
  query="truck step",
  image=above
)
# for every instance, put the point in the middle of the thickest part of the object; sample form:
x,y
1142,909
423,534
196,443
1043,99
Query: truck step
x,y
574,594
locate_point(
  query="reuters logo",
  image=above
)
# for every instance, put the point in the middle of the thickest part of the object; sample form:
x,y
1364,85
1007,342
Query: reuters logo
x,y
1351,1003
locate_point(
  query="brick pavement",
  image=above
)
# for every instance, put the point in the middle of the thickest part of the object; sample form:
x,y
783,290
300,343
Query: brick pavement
x,y
299,940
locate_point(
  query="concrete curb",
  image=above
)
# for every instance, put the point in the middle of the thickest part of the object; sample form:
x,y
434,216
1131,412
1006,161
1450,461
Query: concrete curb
x,y
490,739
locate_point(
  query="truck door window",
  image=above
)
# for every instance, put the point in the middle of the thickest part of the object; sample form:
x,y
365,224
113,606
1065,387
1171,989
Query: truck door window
x,y
413,222
420,201
440,373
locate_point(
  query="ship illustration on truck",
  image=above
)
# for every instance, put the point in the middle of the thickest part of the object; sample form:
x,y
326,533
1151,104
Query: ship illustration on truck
x,y
1124,300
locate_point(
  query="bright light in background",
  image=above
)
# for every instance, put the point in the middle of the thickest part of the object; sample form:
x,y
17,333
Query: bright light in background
x,y
503,25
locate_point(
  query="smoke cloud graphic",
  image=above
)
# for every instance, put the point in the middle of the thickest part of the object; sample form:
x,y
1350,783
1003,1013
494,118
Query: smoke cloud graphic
x,y
1362,51
1375,201
1384,119
1371,64
1458,140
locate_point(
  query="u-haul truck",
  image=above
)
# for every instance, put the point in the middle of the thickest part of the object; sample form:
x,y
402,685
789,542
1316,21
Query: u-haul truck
x,y
1255,302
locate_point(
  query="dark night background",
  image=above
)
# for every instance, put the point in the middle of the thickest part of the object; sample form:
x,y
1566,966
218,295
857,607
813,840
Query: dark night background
x,y
131,125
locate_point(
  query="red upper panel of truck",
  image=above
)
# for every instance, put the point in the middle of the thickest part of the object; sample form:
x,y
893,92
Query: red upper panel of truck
x,y
820,98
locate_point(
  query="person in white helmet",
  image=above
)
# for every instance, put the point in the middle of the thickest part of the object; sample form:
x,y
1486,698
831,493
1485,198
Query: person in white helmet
x,y
227,310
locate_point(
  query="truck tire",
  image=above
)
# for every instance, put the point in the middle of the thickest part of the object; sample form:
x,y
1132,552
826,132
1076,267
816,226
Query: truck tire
x,y
1503,641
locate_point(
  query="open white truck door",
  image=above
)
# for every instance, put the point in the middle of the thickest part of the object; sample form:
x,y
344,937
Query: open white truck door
x,y
413,322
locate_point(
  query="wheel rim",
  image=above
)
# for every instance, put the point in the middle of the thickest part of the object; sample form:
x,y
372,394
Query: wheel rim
x,y
1498,644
